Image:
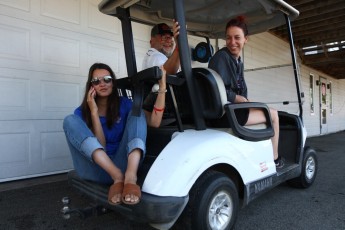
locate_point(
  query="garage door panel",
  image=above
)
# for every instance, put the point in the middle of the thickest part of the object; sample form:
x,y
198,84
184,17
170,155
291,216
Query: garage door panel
x,y
14,94
11,35
19,5
58,50
32,148
59,96
15,148
37,97
65,10
38,47
101,22
105,52
55,152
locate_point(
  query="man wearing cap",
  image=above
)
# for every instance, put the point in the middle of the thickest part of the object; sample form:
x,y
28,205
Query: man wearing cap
x,y
163,53
163,50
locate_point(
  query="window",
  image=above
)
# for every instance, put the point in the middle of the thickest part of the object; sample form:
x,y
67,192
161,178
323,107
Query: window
x,y
329,86
311,93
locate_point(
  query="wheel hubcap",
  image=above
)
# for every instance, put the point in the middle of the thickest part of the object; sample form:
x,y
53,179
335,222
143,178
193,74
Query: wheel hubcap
x,y
220,212
310,168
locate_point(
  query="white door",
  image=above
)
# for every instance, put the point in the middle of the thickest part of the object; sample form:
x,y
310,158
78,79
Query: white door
x,y
323,106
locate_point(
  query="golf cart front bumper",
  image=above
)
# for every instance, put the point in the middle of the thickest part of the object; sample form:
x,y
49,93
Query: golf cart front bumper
x,y
152,209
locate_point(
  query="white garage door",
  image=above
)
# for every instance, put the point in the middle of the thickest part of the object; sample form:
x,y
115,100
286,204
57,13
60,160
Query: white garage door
x,y
46,48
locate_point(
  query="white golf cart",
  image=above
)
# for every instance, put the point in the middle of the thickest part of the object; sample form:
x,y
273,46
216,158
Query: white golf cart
x,y
203,166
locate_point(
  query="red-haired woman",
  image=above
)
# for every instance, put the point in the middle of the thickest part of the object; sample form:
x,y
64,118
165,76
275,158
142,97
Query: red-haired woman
x,y
227,63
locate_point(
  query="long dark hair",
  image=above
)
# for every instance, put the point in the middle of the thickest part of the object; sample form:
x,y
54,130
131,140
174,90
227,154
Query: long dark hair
x,y
239,21
113,102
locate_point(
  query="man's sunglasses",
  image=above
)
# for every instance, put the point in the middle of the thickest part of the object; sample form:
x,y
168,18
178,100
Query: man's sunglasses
x,y
166,37
97,81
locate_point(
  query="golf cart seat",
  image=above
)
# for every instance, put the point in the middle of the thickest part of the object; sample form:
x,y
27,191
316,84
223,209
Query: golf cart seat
x,y
219,113
211,91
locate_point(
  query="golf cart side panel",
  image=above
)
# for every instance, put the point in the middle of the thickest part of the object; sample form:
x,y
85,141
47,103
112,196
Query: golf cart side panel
x,y
196,151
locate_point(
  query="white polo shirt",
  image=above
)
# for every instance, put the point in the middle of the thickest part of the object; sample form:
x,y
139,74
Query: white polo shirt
x,y
154,58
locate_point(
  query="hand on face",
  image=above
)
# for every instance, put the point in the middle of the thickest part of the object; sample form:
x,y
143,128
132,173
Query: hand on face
x,y
102,83
91,100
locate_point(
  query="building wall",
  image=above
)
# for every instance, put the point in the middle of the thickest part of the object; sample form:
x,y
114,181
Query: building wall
x,y
269,72
46,48
335,120
269,75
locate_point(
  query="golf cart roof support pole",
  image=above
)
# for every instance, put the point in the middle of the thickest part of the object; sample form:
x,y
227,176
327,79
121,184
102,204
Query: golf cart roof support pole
x,y
185,59
124,16
294,63
127,33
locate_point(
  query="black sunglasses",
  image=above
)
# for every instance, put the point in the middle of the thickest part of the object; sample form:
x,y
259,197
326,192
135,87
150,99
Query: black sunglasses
x,y
97,81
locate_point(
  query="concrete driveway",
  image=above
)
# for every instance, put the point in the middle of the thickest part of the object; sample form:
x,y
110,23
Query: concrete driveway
x,y
37,205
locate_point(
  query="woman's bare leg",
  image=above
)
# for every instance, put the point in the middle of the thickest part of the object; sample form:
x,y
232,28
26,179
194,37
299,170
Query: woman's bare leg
x,y
257,116
275,138
103,160
131,172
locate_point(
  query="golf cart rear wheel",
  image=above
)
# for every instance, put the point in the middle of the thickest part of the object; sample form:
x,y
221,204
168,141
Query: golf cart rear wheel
x,y
215,202
309,170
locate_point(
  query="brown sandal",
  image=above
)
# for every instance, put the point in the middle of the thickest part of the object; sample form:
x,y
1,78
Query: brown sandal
x,y
131,189
115,189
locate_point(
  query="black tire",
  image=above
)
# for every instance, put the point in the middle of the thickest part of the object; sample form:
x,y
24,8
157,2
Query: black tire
x,y
309,170
213,202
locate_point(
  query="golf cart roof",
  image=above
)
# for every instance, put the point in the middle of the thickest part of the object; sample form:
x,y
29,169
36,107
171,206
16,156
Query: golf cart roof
x,y
207,17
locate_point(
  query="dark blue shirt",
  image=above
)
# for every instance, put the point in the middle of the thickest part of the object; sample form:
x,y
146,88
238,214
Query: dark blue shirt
x,y
113,135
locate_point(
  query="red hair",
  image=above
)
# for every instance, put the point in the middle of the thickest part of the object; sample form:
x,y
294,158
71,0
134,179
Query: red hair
x,y
239,21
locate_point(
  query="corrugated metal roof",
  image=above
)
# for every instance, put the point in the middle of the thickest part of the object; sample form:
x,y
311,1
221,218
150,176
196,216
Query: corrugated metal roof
x,y
319,34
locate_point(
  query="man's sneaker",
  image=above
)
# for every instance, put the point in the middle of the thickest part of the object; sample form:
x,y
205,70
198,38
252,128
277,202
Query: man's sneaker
x,y
279,162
